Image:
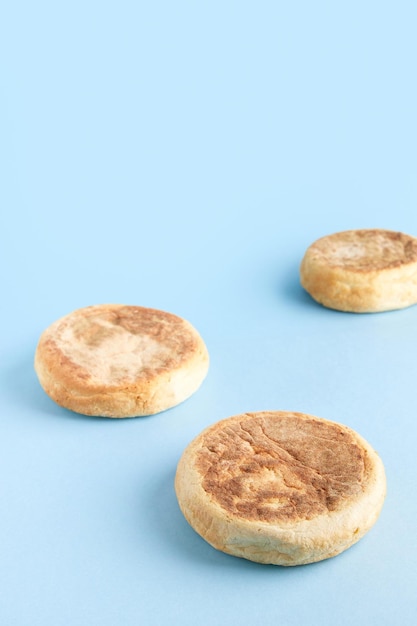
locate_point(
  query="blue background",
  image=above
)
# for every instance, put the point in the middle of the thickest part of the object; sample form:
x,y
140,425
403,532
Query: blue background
x,y
183,155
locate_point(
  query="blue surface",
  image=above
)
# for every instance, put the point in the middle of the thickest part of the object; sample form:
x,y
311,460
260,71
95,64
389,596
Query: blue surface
x,y
183,155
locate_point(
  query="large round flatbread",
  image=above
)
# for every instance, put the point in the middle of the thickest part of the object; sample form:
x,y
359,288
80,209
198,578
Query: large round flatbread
x,y
362,271
279,487
120,361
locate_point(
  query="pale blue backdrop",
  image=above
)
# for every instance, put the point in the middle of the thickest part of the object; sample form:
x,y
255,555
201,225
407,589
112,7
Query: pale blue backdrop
x,y
182,155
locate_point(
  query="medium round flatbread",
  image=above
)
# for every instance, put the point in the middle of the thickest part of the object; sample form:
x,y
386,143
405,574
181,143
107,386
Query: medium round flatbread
x,y
114,360
362,271
279,487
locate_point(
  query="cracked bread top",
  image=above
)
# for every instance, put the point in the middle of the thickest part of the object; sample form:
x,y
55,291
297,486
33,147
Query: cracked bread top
x,y
281,467
110,345
365,250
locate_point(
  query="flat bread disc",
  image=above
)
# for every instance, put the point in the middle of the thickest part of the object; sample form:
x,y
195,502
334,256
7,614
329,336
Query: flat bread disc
x,y
114,360
362,271
279,487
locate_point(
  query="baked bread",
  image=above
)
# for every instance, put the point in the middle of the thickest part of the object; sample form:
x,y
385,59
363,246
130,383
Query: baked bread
x,y
120,361
280,488
362,271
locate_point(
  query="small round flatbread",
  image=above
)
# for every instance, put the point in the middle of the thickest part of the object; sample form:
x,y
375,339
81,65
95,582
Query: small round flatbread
x,y
362,271
114,360
279,487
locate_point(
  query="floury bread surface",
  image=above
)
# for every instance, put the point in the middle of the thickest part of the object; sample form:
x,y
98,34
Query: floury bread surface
x,y
120,361
362,271
279,487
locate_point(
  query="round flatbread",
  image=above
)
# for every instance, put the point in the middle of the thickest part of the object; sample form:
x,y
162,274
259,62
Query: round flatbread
x,y
279,487
120,361
362,271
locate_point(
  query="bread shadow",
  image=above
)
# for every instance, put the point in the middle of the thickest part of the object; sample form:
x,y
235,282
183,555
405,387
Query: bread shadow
x,y
20,385
290,287
174,535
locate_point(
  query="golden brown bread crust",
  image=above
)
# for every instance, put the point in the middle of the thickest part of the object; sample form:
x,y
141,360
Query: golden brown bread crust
x,y
120,361
279,487
362,271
